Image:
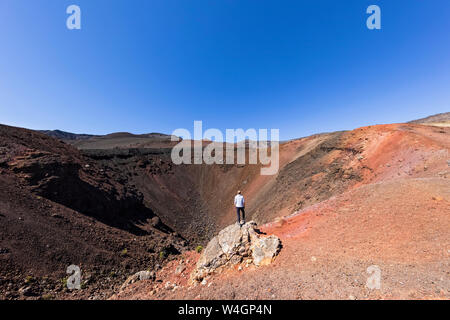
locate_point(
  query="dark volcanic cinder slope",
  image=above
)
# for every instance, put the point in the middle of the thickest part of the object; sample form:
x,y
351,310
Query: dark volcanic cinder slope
x,y
57,208
191,199
167,190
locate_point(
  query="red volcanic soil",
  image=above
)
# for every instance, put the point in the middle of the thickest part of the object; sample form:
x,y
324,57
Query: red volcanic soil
x,y
375,196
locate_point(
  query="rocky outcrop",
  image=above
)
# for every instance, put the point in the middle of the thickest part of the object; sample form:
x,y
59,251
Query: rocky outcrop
x,y
232,246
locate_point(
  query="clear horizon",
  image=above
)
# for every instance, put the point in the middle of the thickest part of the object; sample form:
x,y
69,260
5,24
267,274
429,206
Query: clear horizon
x,y
156,66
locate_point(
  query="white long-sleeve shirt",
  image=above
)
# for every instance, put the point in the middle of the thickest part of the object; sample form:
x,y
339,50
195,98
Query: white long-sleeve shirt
x,y
239,201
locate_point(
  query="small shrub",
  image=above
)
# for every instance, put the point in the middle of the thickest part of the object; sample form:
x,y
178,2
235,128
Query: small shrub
x,y
162,255
64,282
199,249
124,252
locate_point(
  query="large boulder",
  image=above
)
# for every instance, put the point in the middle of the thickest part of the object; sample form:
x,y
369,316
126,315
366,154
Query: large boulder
x,y
232,245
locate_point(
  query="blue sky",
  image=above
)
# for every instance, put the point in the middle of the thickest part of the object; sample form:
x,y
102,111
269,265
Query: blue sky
x,y
154,66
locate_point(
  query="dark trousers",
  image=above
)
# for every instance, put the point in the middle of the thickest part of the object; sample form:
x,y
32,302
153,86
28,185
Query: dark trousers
x,y
238,210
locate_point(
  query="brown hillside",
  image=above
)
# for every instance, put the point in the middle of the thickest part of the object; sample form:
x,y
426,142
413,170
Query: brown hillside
x,y
57,208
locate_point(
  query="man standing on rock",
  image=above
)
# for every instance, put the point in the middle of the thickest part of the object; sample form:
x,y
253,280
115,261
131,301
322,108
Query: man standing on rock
x,y
239,203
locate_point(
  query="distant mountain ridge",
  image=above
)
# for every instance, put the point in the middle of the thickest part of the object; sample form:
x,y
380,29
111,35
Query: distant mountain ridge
x,y
113,140
440,119
63,135
154,139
